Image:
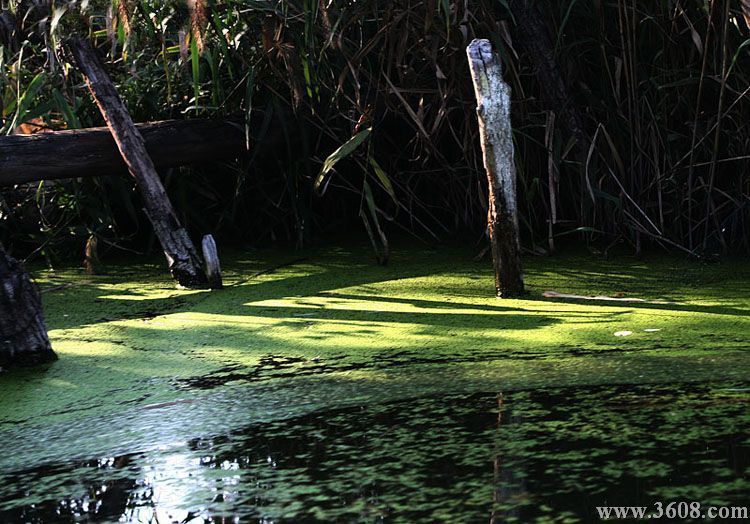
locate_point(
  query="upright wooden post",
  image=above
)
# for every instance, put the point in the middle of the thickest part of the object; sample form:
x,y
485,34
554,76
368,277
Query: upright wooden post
x,y
493,111
213,268
183,259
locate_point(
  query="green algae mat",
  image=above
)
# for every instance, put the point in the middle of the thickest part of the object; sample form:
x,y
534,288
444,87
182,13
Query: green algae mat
x,y
320,387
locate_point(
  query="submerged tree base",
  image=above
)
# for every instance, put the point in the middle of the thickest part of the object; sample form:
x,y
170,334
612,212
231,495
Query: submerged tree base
x,y
23,335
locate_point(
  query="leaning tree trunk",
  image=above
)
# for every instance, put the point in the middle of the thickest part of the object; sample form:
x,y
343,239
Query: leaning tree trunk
x,y
23,335
183,259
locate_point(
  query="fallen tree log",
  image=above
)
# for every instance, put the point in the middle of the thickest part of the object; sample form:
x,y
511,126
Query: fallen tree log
x,y
93,152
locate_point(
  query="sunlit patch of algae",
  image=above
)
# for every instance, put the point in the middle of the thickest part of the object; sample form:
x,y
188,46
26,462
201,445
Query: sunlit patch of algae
x,y
294,332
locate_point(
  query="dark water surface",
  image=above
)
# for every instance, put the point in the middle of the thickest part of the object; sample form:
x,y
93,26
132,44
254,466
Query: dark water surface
x,y
545,455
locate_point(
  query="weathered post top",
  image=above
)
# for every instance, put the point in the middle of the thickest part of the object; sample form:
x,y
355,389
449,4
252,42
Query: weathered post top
x,y
481,59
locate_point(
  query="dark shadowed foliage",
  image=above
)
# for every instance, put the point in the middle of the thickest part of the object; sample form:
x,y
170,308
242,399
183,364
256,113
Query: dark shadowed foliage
x,y
657,154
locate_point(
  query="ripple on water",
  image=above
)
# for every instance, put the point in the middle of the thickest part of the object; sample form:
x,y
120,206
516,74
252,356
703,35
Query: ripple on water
x,y
547,455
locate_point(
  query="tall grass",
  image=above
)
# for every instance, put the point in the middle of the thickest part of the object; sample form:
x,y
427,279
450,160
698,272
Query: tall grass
x,y
662,87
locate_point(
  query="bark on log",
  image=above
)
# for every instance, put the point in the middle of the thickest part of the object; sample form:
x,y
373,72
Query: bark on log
x,y
493,111
184,263
23,335
93,152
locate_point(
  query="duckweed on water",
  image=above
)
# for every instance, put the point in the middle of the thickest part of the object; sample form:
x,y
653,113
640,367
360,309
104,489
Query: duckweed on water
x,y
164,382
548,455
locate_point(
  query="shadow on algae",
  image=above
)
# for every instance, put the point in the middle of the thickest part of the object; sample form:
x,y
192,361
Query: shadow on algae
x,y
323,388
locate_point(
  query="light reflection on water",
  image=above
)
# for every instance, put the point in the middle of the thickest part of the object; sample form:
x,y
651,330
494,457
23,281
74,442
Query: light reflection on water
x,y
551,454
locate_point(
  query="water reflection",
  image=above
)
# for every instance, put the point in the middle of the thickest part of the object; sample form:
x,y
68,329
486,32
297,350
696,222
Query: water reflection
x,y
525,456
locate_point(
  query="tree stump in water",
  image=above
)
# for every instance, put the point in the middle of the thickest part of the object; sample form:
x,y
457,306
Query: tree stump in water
x,y
91,261
23,335
213,268
496,135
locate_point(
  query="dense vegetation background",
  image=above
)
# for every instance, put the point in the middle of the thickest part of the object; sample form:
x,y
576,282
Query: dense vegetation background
x,y
660,88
